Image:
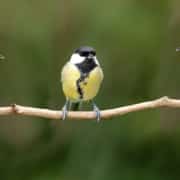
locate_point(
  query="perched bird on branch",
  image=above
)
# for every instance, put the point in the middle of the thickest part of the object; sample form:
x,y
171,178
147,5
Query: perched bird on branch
x,y
81,78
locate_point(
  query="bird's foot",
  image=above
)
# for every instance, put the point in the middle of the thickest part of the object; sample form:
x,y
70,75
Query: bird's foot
x,y
65,110
97,111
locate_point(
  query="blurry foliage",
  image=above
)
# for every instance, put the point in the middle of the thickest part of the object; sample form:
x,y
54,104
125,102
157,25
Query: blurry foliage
x,y
135,42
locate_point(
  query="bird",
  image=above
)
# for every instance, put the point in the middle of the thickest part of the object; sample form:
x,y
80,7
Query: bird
x,y
81,79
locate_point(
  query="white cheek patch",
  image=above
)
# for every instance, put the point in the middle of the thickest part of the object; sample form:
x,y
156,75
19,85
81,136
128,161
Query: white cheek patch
x,y
76,59
96,61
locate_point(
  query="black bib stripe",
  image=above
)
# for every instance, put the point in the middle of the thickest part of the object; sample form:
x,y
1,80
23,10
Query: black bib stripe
x,y
85,68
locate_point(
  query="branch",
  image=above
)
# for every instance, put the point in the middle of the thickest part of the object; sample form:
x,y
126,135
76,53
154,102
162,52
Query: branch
x,y
79,115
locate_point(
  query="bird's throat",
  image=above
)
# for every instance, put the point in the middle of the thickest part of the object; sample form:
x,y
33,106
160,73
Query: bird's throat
x,y
86,66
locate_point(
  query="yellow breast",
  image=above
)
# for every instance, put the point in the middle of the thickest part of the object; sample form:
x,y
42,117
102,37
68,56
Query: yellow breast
x,y
89,85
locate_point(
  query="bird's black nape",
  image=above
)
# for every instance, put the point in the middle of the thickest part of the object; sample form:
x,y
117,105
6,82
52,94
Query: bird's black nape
x,y
85,51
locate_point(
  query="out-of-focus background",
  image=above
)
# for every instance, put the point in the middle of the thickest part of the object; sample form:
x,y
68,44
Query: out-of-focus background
x,y
135,42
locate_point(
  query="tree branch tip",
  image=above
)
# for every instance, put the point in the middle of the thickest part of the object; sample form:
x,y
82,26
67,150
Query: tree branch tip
x,y
163,101
165,98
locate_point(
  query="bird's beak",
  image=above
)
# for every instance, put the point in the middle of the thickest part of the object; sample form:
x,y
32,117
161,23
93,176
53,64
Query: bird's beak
x,y
90,56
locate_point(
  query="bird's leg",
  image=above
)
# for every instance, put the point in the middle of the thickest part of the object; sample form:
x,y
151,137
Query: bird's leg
x,y
65,109
97,111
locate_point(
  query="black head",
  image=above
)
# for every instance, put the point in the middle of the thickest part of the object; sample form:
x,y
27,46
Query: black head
x,y
85,51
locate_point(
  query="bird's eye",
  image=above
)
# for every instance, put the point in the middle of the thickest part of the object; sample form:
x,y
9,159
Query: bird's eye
x,y
84,53
93,53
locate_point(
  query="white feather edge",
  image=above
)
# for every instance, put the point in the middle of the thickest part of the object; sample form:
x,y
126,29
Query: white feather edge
x,y
76,59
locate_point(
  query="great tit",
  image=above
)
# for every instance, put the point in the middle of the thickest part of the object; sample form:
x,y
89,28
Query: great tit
x,y
81,79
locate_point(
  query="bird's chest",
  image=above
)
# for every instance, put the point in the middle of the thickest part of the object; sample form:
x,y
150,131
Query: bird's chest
x,y
88,84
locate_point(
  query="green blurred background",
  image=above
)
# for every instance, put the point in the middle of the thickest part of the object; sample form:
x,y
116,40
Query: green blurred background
x,y
135,42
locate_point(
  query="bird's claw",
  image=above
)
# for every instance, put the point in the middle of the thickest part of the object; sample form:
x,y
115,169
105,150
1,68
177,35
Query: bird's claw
x,y
65,110
97,111
64,113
